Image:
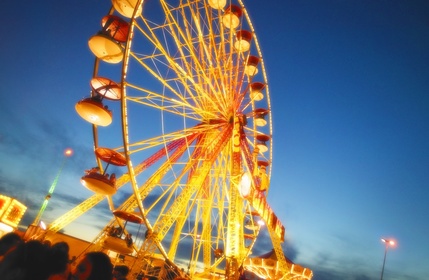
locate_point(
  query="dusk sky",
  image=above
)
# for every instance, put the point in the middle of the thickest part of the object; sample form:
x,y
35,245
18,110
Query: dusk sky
x,y
349,84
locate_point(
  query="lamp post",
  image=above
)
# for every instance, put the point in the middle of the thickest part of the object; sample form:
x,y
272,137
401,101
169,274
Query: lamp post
x,y
386,242
67,153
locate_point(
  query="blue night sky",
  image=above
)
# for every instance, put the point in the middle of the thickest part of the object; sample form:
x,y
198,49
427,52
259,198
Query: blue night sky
x,y
349,84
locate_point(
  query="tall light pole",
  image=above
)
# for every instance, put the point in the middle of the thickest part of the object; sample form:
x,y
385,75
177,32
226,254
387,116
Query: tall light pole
x,y
67,153
387,243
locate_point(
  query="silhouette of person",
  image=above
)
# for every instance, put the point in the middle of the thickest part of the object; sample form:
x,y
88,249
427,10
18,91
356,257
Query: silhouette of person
x,y
95,169
93,266
8,242
113,179
120,272
35,260
129,239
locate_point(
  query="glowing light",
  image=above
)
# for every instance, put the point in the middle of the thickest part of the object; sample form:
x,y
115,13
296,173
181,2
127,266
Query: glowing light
x,y
261,144
92,110
42,225
245,184
217,4
68,152
259,116
251,67
106,48
243,41
256,91
127,7
5,228
388,241
231,17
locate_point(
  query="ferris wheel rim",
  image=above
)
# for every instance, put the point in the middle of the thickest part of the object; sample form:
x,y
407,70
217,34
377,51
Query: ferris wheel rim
x,y
125,83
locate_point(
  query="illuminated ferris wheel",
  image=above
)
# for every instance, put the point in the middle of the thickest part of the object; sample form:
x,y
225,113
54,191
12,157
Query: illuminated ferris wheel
x,y
182,89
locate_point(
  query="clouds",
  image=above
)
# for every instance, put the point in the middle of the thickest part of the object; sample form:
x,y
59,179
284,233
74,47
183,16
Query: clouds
x,y
327,265
39,134
325,274
348,86
32,143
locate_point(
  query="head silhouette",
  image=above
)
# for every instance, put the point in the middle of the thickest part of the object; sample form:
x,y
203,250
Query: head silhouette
x,y
93,266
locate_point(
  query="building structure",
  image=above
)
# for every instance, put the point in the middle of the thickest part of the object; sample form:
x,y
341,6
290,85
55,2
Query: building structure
x,y
11,212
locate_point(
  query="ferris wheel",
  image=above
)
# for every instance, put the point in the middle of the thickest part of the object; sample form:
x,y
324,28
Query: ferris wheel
x,y
180,87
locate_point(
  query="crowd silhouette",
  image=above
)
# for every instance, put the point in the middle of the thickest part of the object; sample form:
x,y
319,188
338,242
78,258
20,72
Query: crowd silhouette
x,y
41,260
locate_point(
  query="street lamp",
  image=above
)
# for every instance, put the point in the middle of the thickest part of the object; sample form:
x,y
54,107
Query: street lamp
x,y
67,153
386,242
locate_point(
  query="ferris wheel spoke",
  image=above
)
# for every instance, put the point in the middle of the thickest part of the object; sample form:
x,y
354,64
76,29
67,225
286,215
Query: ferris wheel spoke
x,y
153,69
170,63
170,105
205,84
195,62
178,205
165,139
177,102
156,177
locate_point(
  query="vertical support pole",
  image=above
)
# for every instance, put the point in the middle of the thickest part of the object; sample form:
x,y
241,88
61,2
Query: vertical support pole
x,y
233,246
